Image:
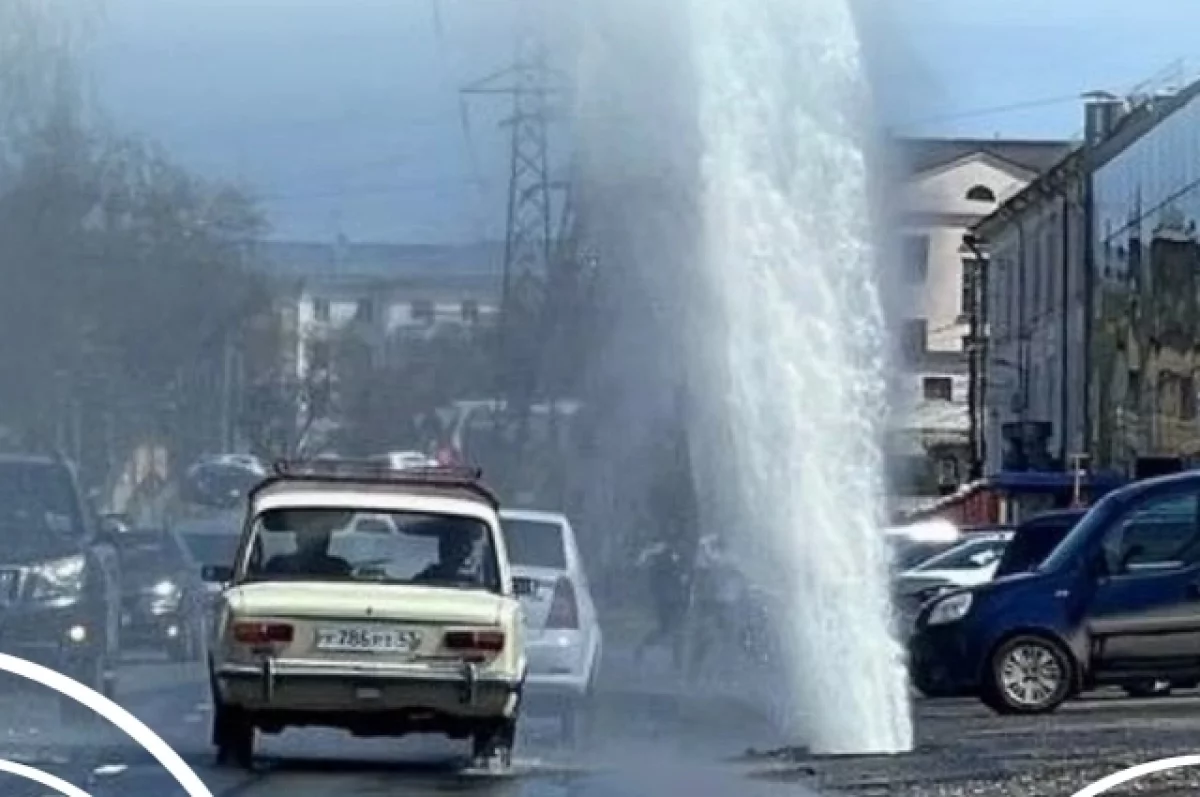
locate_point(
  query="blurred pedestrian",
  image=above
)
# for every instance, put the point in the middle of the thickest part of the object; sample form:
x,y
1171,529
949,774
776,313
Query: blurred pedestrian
x,y
667,571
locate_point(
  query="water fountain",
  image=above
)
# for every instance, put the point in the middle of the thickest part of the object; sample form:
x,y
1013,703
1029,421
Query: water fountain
x,y
750,231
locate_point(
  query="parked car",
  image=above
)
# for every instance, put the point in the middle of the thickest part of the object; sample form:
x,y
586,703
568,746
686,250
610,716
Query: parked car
x,y
563,641
910,545
60,577
162,595
322,624
222,482
1117,602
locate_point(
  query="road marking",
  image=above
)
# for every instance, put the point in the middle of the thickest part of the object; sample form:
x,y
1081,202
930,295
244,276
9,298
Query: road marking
x,y
131,725
44,778
1133,773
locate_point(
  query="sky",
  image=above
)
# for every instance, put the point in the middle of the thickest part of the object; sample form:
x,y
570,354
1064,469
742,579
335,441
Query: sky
x,y
344,116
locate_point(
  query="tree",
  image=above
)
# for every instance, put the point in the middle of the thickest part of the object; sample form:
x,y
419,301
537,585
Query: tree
x,y
126,277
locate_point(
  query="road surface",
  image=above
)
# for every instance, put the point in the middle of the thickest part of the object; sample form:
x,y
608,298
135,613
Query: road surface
x,y
648,743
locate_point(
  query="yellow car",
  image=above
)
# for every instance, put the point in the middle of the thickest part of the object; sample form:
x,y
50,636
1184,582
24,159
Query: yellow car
x,y
378,628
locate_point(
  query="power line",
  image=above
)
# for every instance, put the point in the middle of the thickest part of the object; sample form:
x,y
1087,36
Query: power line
x,y
994,110
437,187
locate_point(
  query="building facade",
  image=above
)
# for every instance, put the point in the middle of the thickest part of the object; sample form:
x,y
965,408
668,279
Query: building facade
x,y
1093,304
1145,343
948,186
384,292
1032,349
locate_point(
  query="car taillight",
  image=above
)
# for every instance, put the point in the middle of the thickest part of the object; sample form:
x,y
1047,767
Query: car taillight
x,y
263,633
475,641
564,609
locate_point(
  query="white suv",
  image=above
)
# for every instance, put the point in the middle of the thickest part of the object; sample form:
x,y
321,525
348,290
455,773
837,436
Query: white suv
x,y
406,627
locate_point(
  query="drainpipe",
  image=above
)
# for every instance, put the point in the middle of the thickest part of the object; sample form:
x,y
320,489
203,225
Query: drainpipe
x,y
974,369
1064,308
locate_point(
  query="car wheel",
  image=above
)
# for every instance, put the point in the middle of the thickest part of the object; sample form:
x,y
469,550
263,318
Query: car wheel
x,y
1029,675
233,735
1149,689
493,747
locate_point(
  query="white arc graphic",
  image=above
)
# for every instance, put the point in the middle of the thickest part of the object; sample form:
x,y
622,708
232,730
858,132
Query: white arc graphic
x,y
44,778
1126,775
131,725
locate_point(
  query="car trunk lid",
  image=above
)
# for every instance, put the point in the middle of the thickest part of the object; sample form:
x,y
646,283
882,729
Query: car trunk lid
x,y
359,602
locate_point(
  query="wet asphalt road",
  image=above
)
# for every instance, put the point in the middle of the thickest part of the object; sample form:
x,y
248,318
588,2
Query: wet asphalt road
x,y
647,742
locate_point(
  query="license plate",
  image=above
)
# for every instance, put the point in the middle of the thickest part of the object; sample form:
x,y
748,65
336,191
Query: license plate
x,y
368,640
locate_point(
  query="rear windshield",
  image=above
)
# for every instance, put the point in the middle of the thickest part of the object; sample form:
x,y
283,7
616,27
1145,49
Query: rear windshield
x,y
217,550
38,506
149,552
535,544
317,544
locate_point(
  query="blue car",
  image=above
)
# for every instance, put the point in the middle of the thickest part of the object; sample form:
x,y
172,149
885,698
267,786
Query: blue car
x,y
1117,602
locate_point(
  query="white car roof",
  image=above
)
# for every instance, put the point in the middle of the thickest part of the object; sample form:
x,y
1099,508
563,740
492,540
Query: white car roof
x,y
534,516
371,499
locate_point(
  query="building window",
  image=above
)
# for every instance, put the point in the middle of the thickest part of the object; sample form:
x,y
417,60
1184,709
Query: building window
x,y
365,311
981,193
915,338
470,311
320,308
916,258
421,311
937,388
1187,398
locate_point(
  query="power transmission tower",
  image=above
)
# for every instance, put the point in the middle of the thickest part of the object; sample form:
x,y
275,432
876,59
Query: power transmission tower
x,y
529,249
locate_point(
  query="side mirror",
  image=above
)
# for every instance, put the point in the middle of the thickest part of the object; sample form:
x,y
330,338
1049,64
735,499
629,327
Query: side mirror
x,y
524,587
216,574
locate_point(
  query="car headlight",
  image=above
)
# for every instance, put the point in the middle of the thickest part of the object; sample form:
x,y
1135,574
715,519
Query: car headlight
x,y
950,609
60,580
164,589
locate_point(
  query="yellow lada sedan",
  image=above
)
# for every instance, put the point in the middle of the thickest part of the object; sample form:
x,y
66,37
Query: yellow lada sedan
x,y
373,600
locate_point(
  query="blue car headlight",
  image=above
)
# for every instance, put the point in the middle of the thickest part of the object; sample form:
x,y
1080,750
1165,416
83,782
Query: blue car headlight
x,y
950,609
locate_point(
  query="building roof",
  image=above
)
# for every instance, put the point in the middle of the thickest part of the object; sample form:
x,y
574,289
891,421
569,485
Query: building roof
x,y
1137,122
1046,184
302,260
923,154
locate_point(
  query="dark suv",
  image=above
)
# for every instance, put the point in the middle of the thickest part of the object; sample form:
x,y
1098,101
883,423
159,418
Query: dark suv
x,y
60,597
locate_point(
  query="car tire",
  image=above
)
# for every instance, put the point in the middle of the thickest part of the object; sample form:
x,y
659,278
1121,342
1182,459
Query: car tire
x,y
233,736
493,747
1029,674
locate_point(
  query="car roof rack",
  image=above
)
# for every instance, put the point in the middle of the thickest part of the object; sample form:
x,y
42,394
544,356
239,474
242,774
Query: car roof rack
x,y
352,471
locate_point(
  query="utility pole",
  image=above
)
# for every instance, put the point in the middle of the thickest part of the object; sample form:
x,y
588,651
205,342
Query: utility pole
x,y
530,83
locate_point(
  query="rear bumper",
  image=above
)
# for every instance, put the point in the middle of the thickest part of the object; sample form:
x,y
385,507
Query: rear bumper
x,y
338,691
